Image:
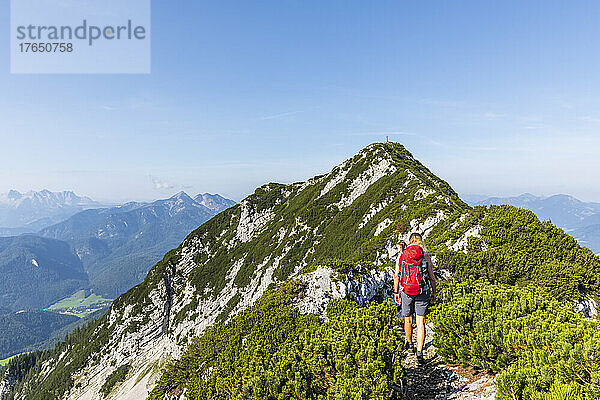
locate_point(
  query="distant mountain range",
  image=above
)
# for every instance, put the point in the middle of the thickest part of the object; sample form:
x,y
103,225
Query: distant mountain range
x,y
214,202
118,245
32,211
106,249
589,237
580,219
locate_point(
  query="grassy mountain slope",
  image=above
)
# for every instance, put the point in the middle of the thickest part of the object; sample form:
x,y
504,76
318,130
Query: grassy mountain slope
x,y
535,343
563,210
509,245
527,332
270,350
580,219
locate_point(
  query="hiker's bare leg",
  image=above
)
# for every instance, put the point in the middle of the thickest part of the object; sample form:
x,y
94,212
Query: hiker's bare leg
x,y
408,328
420,332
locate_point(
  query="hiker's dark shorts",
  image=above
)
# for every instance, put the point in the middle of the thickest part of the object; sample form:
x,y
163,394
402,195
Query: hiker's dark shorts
x,y
418,304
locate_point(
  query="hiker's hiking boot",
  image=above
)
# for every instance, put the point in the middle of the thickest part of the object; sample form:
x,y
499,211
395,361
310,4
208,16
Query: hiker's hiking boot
x,y
411,348
420,358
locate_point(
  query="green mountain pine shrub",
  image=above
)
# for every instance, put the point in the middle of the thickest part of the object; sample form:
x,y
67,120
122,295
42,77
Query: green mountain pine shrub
x,y
536,343
520,249
271,351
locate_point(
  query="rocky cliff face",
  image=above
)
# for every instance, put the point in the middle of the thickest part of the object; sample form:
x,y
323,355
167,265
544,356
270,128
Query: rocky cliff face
x,y
356,212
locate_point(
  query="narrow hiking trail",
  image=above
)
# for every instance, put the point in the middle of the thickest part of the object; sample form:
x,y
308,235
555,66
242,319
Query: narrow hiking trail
x,y
435,380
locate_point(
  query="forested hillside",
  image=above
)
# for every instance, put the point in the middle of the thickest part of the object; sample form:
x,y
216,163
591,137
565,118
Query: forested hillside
x,y
37,272
21,331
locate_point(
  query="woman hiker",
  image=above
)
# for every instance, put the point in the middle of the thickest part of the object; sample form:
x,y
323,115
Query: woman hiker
x,y
414,289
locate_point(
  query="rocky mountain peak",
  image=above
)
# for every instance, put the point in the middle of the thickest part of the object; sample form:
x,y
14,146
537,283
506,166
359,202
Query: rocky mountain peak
x,y
356,212
214,202
14,195
35,210
182,196
334,236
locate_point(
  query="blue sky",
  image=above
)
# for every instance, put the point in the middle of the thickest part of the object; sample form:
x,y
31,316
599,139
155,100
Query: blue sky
x,y
495,97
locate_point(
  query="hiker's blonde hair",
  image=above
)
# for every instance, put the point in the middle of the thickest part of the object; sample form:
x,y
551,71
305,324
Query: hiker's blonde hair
x,y
416,238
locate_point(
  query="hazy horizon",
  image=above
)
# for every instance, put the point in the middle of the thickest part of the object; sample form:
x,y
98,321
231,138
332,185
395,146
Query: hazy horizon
x,y
167,194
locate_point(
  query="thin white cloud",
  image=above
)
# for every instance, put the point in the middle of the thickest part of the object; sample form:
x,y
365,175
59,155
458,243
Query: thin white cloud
x,y
590,119
566,105
481,148
140,102
529,118
159,184
523,149
434,142
534,126
280,115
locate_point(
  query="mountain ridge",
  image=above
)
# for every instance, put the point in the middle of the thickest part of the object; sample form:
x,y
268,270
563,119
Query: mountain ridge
x,y
33,210
356,211
337,233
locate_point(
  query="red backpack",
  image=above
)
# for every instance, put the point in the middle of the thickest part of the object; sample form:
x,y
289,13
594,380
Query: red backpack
x,y
413,270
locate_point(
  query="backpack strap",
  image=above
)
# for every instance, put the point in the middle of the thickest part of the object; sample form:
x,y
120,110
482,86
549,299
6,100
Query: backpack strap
x,y
402,273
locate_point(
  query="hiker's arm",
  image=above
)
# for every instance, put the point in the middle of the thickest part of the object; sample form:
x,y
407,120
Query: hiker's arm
x,y
431,275
396,279
396,276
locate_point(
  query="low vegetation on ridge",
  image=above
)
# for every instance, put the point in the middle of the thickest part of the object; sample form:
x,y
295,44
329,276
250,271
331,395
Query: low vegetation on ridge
x,y
527,333
509,307
535,343
270,351
513,247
